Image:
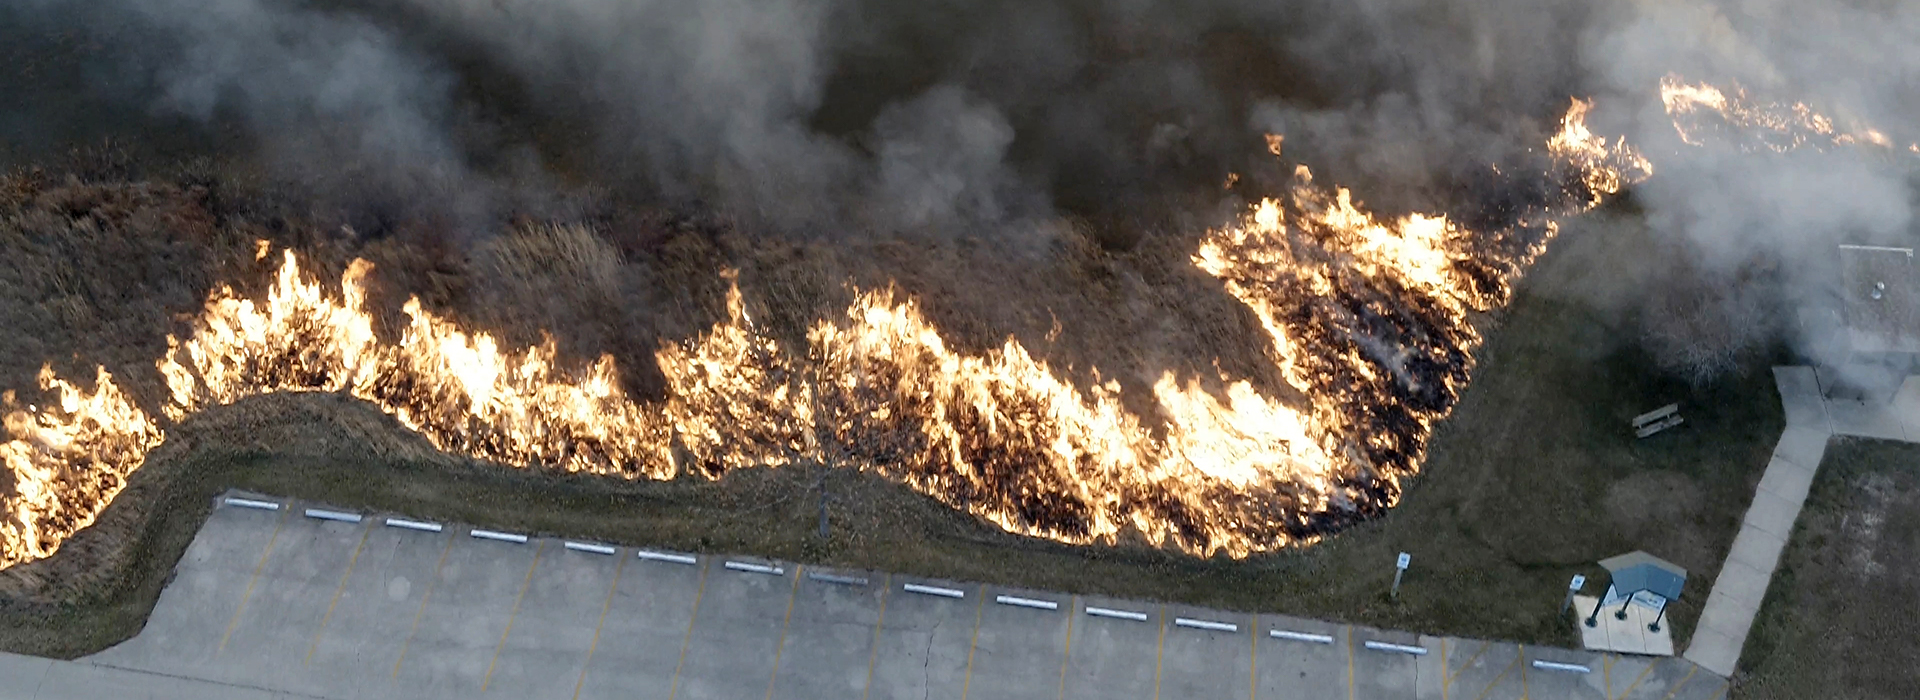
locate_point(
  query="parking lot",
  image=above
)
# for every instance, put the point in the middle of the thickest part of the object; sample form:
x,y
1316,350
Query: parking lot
x,y
283,601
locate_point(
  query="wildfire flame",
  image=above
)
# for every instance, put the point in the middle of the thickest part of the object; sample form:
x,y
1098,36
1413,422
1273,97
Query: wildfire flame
x,y
1702,112
1368,320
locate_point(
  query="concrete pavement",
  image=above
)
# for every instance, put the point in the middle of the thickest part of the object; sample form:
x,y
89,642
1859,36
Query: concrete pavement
x,y
275,604
1811,420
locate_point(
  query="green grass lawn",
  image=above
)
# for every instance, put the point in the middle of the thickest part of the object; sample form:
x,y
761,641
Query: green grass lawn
x,y
1534,477
1841,615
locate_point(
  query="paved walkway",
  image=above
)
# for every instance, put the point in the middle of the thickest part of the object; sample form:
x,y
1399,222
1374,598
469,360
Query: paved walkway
x,y
280,604
1811,420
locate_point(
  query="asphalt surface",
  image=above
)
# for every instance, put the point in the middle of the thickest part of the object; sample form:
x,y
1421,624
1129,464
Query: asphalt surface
x,y
277,604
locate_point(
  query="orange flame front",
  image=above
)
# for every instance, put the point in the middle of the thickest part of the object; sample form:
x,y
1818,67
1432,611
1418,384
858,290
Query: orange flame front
x,y
1702,112
1366,319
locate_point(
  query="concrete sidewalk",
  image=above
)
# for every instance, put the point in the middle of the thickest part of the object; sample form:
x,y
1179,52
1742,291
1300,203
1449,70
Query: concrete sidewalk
x,y
1811,420
275,604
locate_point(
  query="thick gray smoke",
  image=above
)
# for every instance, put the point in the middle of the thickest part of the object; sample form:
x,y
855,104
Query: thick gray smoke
x,y
970,117
1751,232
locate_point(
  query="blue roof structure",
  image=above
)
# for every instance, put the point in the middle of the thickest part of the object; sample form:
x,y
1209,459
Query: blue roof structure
x,y
1640,571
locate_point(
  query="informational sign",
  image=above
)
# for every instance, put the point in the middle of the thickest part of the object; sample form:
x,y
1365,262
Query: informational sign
x,y
1578,583
1645,599
1403,561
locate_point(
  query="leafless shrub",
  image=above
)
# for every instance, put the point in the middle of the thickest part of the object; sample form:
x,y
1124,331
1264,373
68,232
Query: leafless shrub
x,y
1699,324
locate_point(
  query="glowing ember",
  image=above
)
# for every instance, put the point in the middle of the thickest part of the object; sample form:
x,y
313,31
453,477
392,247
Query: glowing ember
x,y
1367,319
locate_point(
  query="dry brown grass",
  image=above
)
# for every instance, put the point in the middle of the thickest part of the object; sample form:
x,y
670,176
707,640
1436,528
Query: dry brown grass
x,y
1840,617
1512,502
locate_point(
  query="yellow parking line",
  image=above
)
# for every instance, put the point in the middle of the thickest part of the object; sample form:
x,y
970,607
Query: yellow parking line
x,y
1443,668
1606,676
235,622
1496,679
516,613
424,597
966,682
1524,690
1682,683
336,593
1636,680
595,644
874,655
1722,691
1350,662
782,644
1067,654
674,689
1450,677
1159,652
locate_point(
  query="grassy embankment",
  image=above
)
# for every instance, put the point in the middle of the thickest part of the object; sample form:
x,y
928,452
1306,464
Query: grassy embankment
x,y
1533,478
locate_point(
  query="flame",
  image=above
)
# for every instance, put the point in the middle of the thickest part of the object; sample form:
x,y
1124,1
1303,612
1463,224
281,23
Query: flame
x,y
1604,168
1702,112
1368,320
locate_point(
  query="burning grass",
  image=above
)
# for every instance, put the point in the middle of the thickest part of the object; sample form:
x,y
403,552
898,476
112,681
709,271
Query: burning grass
x,y
1366,319
1511,501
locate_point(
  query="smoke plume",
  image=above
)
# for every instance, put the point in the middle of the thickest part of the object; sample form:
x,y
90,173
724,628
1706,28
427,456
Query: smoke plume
x,y
972,118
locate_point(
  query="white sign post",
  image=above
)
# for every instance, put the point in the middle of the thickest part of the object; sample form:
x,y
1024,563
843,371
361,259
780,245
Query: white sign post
x,y
1399,568
1572,588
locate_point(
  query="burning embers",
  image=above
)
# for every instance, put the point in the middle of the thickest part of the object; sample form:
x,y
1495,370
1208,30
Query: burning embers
x,y
1367,319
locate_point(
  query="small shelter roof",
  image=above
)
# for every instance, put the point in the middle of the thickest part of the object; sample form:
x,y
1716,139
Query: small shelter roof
x,y
1639,571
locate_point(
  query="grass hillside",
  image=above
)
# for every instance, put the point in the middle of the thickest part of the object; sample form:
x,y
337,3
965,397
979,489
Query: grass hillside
x,y
1533,478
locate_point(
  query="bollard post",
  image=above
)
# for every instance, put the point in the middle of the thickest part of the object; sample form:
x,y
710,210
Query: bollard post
x,y
1399,568
1572,588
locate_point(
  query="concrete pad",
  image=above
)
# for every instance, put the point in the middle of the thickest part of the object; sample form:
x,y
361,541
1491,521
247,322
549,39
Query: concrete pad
x,y
22,674
1655,681
1560,684
925,642
646,630
361,640
295,587
1703,686
830,642
1621,675
1772,514
1629,636
1492,670
1296,669
1728,616
460,630
1801,399
1756,548
1906,405
546,646
1801,446
742,625
1864,419
1430,671
1113,658
1787,480
1022,652
1714,650
1379,675
192,615
1742,583
1199,663
82,681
